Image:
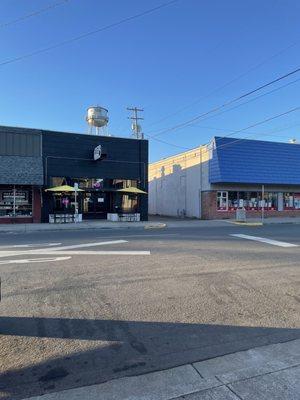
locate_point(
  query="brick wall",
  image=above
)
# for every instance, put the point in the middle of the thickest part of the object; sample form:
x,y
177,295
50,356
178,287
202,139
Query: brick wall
x,y
36,205
209,210
17,220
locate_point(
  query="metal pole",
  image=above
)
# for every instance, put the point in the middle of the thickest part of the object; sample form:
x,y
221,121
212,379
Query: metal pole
x,y
262,204
76,205
14,201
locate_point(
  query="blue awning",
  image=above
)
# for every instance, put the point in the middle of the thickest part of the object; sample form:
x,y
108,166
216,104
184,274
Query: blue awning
x,y
254,161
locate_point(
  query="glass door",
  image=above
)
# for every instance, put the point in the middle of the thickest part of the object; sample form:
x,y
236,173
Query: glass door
x,y
96,205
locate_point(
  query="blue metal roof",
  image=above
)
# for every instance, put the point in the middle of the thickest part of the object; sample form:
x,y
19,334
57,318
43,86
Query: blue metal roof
x,y
254,161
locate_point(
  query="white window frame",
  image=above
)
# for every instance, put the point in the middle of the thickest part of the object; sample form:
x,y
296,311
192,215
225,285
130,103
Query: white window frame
x,y
222,192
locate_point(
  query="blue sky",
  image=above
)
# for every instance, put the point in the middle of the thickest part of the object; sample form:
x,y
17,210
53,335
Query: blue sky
x,y
168,62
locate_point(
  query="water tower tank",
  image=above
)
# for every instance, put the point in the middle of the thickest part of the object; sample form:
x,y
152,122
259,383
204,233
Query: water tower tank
x,y
97,116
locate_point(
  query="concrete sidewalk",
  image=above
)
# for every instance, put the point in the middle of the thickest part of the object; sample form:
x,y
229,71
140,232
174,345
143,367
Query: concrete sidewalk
x,y
26,228
153,223
265,373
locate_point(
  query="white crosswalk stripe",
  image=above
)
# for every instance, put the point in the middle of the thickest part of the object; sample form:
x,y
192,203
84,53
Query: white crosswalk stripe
x,y
52,249
34,260
264,240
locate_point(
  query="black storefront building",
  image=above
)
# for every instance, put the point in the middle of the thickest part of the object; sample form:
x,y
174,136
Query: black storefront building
x,y
111,173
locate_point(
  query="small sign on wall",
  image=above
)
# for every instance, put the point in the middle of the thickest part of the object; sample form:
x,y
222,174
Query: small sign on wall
x,y
100,200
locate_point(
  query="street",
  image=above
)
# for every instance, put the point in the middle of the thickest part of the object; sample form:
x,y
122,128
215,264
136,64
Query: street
x,y
84,307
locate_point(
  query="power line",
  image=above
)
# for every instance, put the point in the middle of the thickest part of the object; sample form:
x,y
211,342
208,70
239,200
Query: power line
x,y
267,133
84,35
233,131
229,82
168,143
251,100
240,130
254,125
266,120
190,121
33,14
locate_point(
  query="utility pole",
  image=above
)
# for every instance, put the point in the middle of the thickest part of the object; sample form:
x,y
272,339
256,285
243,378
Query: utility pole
x,y
136,127
262,204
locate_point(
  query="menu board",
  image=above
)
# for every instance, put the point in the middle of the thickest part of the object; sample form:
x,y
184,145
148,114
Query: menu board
x,y
20,197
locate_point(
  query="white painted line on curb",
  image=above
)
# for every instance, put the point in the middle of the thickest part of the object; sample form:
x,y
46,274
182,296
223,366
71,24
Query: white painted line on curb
x,y
264,240
34,260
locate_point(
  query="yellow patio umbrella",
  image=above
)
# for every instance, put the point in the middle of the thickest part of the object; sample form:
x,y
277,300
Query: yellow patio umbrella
x,y
132,190
63,188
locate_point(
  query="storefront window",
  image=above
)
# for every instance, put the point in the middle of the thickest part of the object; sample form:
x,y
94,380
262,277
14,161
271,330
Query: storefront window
x,y
271,201
94,183
291,201
253,203
250,200
15,201
98,197
222,201
233,201
129,203
64,203
243,200
297,201
288,201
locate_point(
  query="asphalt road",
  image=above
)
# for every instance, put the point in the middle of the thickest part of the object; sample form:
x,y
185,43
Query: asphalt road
x,y
73,318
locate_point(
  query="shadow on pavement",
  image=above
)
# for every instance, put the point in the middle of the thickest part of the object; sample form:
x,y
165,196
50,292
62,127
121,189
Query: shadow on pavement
x,y
118,348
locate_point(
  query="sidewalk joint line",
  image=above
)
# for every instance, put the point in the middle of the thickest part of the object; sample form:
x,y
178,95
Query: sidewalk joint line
x,y
232,391
263,374
197,391
197,371
218,379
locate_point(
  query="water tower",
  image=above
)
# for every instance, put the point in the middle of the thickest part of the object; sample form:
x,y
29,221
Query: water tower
x,y
97,118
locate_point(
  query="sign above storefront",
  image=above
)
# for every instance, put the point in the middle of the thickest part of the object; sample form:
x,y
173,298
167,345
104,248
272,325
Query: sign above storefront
x,y
98,152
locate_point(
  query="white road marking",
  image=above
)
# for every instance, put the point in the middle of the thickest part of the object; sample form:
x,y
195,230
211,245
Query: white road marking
x,y
101,253
70,250
34,260
29,245
80,246
61,248
264,240
142,235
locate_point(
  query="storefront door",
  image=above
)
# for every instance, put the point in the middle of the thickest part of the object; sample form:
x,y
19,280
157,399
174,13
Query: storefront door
x,y
96,205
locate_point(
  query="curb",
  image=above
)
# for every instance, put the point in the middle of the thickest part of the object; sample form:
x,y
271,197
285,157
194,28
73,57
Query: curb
x,y
262,224
32,229
248,223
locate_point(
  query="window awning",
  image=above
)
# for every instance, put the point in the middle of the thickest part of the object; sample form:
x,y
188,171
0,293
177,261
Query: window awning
x,y
248,161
